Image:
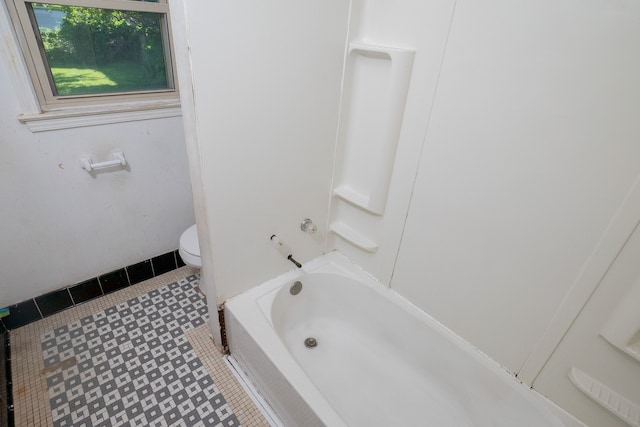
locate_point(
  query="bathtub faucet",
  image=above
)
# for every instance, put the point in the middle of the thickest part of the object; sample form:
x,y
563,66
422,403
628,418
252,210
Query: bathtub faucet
x,y
283,249
290,258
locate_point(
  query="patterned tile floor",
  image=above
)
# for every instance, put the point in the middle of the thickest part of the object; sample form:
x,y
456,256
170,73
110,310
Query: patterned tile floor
x,y
140,356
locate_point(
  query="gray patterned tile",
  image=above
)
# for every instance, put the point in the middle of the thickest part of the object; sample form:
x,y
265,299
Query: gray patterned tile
x,y
133,366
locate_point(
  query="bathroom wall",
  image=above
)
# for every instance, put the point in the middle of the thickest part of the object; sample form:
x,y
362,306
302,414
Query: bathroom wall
x,y
262,119
59,224
421,27
531,149
528,111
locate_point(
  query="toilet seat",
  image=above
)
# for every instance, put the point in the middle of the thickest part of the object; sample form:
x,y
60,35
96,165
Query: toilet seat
x,y
190,248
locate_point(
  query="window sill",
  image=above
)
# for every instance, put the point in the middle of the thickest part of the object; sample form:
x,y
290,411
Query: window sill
x,y
99,115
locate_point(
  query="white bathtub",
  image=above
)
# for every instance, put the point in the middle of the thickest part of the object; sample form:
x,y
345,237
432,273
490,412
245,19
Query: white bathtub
x,y
379,361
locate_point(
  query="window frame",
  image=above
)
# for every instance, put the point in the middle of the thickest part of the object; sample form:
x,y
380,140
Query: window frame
x,y
40,74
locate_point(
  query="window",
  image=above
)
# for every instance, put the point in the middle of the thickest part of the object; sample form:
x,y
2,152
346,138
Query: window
x,y
92,52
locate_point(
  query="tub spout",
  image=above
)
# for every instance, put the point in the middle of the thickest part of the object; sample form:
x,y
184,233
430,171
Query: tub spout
x,y
290,258
284,250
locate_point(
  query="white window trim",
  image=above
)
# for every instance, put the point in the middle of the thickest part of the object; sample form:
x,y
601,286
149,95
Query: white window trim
x,y
39,120
102,115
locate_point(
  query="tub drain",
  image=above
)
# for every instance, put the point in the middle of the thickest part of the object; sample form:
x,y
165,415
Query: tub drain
x,y
295,288
310,342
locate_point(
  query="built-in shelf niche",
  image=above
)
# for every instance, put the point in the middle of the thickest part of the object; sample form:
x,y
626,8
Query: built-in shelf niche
x,y
375,92
352,236
610,399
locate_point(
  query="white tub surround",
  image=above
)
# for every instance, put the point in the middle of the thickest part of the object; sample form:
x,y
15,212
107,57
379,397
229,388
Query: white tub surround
x,y
378,360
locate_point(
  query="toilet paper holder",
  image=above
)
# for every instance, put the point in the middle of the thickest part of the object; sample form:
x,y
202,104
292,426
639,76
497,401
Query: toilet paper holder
x,y
118,160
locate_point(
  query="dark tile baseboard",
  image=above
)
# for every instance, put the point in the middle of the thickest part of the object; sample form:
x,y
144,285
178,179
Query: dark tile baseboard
x,y
37,308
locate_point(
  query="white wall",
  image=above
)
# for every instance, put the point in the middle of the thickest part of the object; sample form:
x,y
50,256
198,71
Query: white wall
x,y
531,148
423,27
601,343
266,80
59,224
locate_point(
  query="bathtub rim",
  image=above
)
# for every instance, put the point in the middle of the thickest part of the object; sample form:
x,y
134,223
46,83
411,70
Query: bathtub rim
x,y
260,298
263,335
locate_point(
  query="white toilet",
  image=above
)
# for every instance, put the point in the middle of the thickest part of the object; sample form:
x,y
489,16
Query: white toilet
x,y
190,248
